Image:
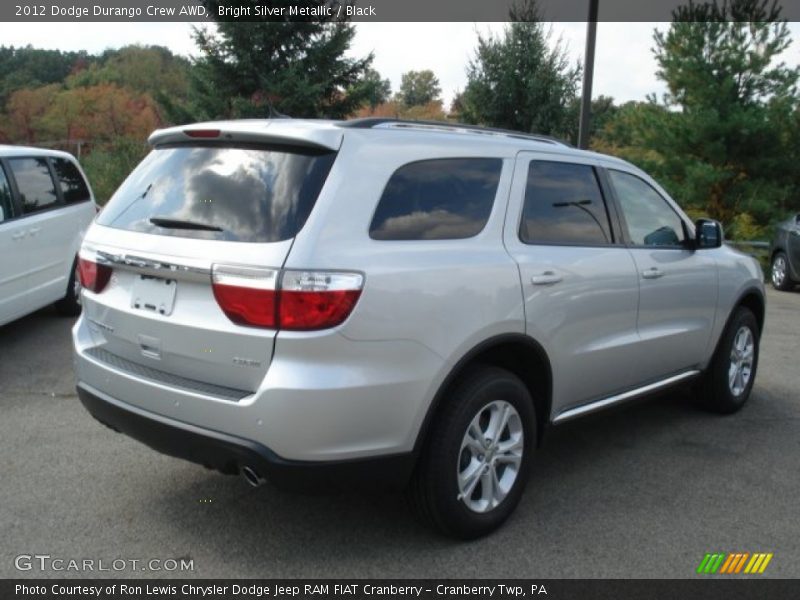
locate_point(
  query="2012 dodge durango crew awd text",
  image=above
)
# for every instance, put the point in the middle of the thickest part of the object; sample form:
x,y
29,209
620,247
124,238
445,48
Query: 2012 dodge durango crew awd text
x,y
295,299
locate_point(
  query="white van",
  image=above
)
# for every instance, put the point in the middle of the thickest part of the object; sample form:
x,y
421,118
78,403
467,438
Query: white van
x,y
46,205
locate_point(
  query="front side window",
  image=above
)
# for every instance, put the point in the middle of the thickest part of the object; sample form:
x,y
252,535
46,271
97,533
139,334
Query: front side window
x,y
6,206
563,205
36,189
651,221
441,199
73,186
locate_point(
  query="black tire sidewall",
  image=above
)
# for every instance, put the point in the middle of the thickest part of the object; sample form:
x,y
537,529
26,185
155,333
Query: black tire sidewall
x,y
722,397
484,387
69,305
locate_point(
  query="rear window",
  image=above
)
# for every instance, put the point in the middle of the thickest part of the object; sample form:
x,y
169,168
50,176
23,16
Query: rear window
x,y
442,199
241,194
36,189
73,186
6,207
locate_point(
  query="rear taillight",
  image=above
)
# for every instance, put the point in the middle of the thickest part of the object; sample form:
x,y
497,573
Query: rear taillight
x,y
248,296
94,277
317,299
301,301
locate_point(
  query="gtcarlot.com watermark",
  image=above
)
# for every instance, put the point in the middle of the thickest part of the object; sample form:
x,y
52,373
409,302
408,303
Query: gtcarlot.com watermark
x,y
46,562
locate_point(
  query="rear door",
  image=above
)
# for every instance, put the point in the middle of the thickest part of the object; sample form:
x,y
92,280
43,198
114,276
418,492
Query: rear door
x,y
678,286
186,214
48,237
578,281
14,263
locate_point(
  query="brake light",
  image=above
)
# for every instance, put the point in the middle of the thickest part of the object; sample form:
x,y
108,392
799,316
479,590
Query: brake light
x,y
317,299
202,133
248,296
94,277
302,301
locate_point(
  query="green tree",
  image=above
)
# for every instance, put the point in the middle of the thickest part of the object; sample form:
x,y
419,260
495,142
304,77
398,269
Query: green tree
x,y
418,88
725,139
603,111
31,67
375,89
250,69
520,81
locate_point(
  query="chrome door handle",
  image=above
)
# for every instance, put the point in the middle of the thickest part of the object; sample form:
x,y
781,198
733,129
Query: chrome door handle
x,y
545,278
652,273
18,236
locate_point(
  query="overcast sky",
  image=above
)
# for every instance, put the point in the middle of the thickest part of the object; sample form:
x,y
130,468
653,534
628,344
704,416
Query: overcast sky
x,y
624,65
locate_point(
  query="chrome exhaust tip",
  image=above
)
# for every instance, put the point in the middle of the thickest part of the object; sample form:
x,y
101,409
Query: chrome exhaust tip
x,y
252,477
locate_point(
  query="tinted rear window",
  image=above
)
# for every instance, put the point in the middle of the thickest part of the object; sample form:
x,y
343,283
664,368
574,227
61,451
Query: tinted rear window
x,y
73,186
249,194
6,206
36,189
440,199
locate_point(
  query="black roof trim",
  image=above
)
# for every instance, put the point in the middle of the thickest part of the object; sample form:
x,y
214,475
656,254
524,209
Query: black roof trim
x,y
370,122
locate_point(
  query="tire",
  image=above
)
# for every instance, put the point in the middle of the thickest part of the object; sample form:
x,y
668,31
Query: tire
x,y
728,381
481,399
779,273
70,304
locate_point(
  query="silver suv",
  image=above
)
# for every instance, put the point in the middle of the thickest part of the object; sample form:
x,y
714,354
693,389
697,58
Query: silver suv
x,y
397,302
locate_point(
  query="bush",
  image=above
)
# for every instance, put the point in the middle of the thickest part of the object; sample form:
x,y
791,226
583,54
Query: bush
x,y
108,164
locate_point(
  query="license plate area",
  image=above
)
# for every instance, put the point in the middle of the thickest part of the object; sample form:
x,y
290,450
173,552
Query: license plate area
x,y
154,294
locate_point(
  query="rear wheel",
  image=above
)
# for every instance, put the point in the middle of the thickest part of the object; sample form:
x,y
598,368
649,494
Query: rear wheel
x,y
729,379
475,465
780,272
70,304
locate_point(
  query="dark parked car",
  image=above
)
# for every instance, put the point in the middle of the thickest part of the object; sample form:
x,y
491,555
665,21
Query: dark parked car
x,y
785,253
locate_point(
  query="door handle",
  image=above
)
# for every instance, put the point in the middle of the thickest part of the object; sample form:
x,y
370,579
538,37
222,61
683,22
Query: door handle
x,y
546,278
18,236
652,273
34,230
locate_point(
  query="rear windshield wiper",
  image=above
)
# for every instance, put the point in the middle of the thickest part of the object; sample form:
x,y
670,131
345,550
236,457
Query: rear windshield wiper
x,y
168,223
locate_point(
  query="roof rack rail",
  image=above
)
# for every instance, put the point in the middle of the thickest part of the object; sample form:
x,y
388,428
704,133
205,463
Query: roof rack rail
x,y
371,122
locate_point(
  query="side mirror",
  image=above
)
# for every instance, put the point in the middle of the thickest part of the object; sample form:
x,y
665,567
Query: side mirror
x,y
708,234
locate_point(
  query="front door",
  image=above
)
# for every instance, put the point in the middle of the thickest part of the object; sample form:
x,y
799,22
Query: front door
x,y
678,286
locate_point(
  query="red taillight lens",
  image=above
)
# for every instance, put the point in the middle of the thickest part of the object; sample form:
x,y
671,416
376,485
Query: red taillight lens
x,y
305,300
202,133
94,277
247,296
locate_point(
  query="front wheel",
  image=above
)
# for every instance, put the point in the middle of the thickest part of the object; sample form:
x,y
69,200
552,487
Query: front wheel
x,y
727,383
780,272
475,465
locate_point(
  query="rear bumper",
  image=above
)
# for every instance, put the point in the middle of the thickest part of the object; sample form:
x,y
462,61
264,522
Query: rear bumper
x,y
230,454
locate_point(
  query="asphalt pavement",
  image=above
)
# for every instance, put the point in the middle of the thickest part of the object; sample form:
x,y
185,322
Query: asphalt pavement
x,y
644,491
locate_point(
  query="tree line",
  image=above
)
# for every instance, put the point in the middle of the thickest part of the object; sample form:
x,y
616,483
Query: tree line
x,y
724,139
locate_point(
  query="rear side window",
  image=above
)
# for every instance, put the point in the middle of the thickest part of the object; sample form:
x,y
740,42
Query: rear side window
x,y
241,194
35,185
563,205
73,186
442,199
6,210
